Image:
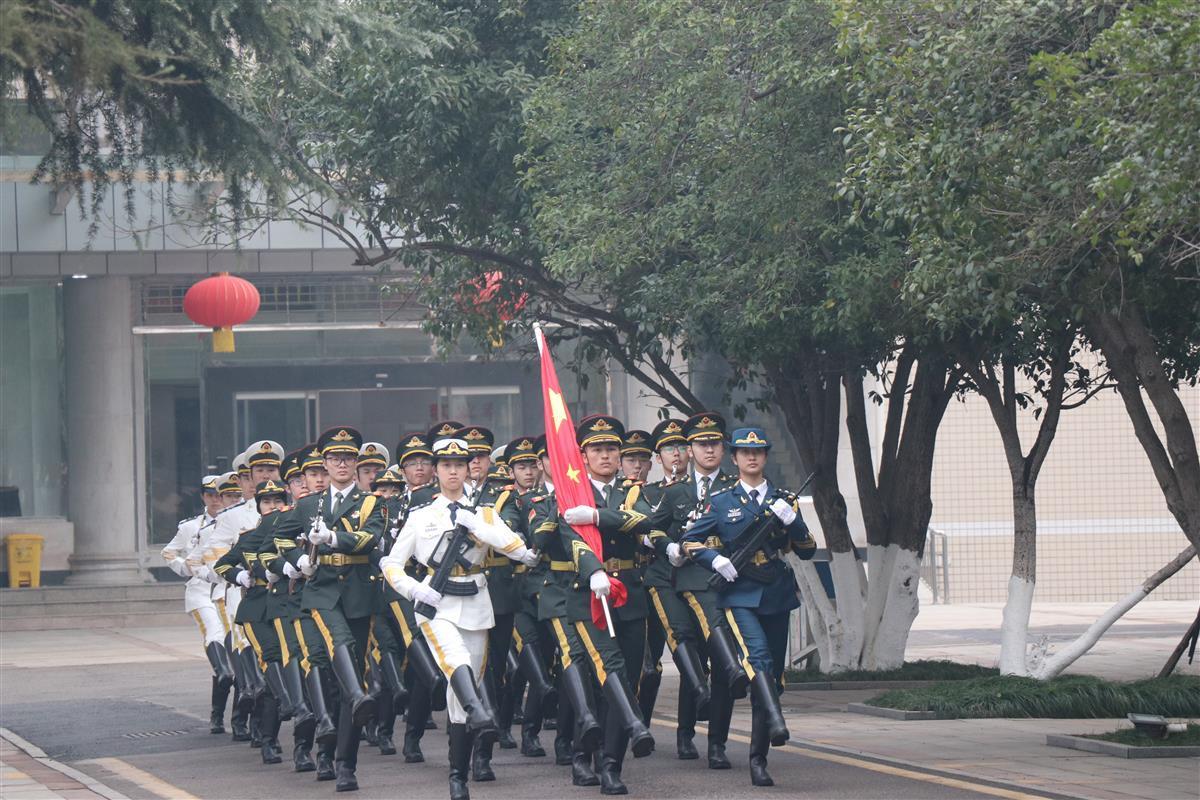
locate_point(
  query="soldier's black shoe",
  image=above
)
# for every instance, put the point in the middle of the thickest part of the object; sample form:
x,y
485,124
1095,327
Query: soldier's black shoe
x,y
766,705
220,694
562,751
460,757
610,776
412,750
302,760
325,771
271,754
506,740
430,725
531,746
347,781
481,763
760,741
685,746
256,737
216,722
582,773
386,746
717,758
518,716
371,732
241,731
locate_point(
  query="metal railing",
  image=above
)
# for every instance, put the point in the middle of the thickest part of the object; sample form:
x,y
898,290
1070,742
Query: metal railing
x,y
935,566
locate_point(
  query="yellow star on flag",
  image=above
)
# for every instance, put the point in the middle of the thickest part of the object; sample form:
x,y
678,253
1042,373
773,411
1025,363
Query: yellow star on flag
x,y
558,409
573,474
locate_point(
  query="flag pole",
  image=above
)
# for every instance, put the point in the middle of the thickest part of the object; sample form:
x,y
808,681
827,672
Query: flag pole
x,y
608,617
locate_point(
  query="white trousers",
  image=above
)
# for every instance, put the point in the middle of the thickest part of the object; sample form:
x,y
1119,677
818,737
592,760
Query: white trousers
x,y
454,648
209,621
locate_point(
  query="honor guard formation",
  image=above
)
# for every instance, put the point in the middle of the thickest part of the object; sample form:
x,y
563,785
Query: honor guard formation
x,y
342,592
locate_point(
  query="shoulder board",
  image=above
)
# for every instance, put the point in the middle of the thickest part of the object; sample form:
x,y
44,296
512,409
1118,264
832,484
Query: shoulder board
x,y
625,484
189,519
722,490
428,502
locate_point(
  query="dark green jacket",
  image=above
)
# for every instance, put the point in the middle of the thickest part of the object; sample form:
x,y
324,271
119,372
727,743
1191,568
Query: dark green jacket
x,y
359,524
676,504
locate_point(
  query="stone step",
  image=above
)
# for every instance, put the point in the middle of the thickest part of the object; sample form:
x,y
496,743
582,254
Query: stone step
x,y
115,619
83,607
51,595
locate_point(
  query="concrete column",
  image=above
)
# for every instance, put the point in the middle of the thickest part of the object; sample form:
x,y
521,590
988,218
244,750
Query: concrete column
x,y
101,459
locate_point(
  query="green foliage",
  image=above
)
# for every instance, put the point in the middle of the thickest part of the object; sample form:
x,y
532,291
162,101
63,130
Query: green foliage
x,y
1064,697
1130,736
921,670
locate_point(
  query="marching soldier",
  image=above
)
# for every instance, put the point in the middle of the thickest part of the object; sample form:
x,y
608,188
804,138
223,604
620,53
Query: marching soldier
x,y
373,459
692,610
534,642
623,519
635,455
461,609
388,651
241,567
197,596
340,526
760,594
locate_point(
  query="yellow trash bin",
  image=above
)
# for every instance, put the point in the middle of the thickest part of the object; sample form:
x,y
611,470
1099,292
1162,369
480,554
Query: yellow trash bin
x,y
24,560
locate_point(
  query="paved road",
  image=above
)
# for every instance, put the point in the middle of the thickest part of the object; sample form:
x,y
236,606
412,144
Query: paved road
x,y
141,729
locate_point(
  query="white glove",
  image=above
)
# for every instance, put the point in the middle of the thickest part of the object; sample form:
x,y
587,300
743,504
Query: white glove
x,y
272,578
422,593
180,566
600,584
675,554
290,572
530,557
581,515
243,579
725,568
783,509
468,519
306,567
322,535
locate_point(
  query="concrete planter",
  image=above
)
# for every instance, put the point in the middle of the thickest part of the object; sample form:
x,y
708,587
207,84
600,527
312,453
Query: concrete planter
x,y
889,713
1121,750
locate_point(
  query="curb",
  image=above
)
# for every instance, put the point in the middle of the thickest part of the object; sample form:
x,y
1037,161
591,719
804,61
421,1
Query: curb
x,y
889,713
846,686
1120,750
39,755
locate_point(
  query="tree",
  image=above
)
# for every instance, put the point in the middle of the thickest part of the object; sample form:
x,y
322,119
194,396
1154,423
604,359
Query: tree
x,y
1026,215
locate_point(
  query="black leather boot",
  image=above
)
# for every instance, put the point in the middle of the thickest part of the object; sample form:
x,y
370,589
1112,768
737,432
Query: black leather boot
x,y
347,781
389,670
582,773
239,718
460,757
759,745
533,669
420,660
724,654
325,770
621,704
362,704
531,725
302,760
685,730
219,660
765,698
691,675
304,722
479,721
325,731
612,756
648,685
275,684
253,685
269,725
385,723
720,713
414,727
216,717
587,729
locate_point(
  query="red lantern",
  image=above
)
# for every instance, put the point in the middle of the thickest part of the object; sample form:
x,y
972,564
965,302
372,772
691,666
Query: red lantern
x,y
220,302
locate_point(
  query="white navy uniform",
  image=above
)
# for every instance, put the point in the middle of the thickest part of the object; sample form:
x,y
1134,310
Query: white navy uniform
x,y
215,542
458,633
197,593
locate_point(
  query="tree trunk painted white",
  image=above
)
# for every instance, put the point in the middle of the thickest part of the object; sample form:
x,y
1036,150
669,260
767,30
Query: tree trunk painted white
x,y
901,605
1052,665
1014,630
880,560
848,580
822,618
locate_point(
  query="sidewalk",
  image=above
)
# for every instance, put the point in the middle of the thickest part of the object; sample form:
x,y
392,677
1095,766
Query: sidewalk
x,y
26,773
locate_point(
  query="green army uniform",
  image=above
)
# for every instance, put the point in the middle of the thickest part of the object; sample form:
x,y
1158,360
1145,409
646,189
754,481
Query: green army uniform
x,y
339,597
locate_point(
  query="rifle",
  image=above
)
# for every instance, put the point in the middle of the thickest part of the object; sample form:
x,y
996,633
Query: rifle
x,y
457,544
312,548
761,532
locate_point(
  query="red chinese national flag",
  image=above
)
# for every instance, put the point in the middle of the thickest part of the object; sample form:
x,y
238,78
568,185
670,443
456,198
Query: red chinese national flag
x,y
571,484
